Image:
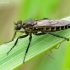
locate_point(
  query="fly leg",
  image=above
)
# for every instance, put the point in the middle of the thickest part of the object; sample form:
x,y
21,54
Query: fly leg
x,y
58,46
30,38
50,56
53,35
16,42
50,50
15,35
58,36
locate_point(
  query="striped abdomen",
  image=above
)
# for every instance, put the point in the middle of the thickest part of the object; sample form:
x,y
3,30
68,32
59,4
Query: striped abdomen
x,y
52,25
53,29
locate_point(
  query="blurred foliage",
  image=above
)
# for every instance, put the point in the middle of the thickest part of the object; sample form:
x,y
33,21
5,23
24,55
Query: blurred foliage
x,y
34,9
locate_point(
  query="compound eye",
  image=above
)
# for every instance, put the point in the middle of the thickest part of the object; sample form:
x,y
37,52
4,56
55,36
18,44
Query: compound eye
x,y
19,22
18,26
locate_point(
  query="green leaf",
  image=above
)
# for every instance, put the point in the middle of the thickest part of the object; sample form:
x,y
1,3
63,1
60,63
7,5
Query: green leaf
x,y
39,45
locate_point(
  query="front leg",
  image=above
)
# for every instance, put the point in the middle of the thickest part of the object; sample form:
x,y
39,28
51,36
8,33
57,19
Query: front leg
x,y
12,38
15,35
17,41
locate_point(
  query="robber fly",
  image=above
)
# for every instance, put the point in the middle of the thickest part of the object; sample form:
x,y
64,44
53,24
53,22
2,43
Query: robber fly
x,y
39,27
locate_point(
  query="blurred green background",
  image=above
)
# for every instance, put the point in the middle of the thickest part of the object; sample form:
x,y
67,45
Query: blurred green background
x,y
11,10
